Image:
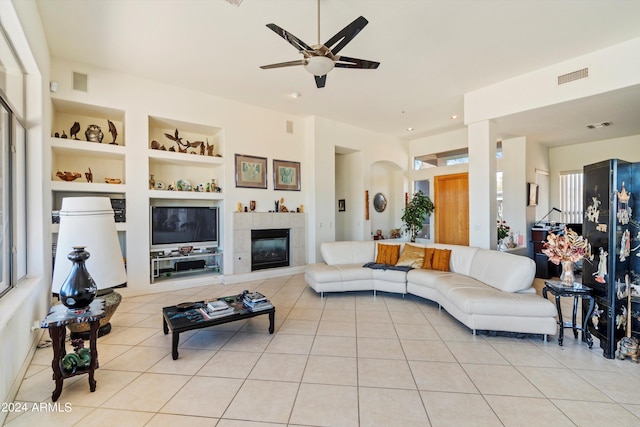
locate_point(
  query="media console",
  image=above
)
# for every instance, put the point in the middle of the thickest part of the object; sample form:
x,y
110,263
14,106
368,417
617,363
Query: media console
x,y
167,265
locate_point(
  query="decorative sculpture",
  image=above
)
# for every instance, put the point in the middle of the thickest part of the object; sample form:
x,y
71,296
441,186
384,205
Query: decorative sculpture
x,y
94,133
113,131
74,131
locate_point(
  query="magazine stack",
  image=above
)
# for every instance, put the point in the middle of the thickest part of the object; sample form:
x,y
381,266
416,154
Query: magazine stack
x,y
255,301
216,308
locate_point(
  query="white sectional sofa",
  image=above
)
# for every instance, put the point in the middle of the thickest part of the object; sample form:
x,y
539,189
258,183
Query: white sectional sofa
x,y
484,289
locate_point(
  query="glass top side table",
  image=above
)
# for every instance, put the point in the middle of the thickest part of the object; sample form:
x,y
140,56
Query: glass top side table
x,y
577,291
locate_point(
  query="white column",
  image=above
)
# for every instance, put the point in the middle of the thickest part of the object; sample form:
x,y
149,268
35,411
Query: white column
x,y
514,183
482,185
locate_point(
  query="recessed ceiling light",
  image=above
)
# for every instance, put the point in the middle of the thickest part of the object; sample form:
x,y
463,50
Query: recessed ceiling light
x,y
454,116
296,95
409,129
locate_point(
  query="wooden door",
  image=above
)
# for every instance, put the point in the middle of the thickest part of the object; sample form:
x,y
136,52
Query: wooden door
x,y
451,214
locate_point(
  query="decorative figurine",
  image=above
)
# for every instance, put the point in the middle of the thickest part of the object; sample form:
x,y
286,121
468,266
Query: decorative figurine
x,y
152,183
64,135
113,131
57,134
89,175
155,145
74,131
68,176
94,133
112,180
210,149
628,345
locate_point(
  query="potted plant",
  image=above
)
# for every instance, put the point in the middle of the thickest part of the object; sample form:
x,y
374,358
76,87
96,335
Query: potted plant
x,y
419,207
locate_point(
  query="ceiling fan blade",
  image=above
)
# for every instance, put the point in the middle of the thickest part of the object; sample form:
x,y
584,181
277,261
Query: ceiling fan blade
x,y
345,35
285,64
293,40
346,62
320,81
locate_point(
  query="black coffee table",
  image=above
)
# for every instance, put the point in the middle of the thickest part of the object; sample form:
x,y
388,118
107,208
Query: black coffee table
x,y
181,318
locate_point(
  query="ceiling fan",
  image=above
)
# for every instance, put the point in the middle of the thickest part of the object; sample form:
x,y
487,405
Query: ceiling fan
x,y
319,59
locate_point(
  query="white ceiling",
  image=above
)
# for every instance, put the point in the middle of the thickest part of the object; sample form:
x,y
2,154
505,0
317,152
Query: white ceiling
x,y
431,53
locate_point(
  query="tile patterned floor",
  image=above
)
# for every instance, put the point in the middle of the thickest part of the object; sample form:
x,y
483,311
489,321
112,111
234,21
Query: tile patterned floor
x,y
343,360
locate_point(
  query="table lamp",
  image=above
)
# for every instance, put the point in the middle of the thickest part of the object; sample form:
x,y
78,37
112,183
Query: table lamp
x,y
89,222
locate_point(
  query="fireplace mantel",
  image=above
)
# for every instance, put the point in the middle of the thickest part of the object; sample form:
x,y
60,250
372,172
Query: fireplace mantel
x,y
244,222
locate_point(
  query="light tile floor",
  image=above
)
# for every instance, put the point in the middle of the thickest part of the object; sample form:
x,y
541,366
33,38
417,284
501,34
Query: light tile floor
x,y
343,360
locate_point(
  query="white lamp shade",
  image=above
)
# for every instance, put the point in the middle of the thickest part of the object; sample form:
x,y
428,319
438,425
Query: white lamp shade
x,y
319,65
89,222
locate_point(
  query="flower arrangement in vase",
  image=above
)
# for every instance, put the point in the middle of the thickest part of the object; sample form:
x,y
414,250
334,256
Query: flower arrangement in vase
x,y
564,248
503,229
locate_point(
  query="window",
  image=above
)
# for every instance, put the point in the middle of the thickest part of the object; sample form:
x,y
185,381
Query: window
x,y
5,185
13,226
571,202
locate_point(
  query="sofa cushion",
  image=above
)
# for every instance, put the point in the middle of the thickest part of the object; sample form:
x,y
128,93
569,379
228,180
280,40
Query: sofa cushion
x,y
428,258
356,252
504,271
461,256
388,254
441,259
411,256
490,301
424,277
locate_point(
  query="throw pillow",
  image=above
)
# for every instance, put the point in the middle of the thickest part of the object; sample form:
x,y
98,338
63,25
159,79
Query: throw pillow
x,y
428,258
411,256
441,259
388,254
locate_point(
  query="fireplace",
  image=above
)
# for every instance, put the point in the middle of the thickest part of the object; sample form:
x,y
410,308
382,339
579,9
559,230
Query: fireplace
x,y
269,248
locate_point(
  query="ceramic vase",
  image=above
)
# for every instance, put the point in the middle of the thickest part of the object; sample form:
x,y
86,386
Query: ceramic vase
x,y
79,289
567,277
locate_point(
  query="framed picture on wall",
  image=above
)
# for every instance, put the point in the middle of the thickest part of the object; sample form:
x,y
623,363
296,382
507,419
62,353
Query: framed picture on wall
x,y
251,171
286,175
532,194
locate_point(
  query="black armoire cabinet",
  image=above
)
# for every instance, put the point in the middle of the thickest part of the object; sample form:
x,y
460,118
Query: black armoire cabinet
x,y
613,234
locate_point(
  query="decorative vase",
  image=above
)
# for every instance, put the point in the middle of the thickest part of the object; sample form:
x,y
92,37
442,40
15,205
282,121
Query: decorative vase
x,y
79,289
567,277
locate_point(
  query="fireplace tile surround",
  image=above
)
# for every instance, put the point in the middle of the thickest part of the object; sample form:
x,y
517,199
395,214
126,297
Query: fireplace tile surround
x,y
244,222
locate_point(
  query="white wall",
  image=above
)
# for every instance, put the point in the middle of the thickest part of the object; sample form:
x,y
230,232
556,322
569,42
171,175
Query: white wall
x,y
348,179
385,179
247,130
374,147
574,157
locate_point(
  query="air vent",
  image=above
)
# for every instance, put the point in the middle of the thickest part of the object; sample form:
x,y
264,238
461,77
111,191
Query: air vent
x,y
289,126
80,81
573,76
599,125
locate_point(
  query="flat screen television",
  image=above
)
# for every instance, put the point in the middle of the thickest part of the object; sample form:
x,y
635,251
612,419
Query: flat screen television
x,y
175,226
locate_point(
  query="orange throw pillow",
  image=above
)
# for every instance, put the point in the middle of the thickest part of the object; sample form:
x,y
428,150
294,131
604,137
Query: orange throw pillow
x,y
441,259
411,256
388,254
428,258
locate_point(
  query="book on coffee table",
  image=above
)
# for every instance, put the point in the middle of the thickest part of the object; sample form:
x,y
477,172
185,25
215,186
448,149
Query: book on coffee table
x,y
254,297
217,305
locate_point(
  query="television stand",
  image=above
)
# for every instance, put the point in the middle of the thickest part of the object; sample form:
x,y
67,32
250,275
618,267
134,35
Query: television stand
x,y
165,266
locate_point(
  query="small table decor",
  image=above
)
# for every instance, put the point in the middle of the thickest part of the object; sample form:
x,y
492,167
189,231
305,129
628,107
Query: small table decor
x,y
565,248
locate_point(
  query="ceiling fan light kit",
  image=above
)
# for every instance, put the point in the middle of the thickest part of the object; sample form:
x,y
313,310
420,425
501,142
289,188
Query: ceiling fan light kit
x,y
319,65
320,59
